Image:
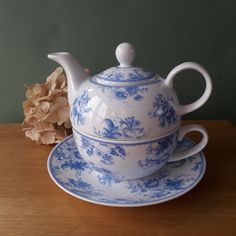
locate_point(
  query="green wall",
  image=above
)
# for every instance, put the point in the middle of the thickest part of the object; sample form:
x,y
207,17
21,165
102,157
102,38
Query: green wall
x,y
164,33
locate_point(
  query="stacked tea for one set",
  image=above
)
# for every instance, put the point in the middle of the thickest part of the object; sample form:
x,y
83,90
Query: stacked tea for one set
x,y
128,147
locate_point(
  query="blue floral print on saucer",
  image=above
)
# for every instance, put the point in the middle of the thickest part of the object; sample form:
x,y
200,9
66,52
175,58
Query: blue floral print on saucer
x,y
76,177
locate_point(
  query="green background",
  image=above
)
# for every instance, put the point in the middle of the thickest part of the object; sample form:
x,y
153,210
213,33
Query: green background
x,y
164,33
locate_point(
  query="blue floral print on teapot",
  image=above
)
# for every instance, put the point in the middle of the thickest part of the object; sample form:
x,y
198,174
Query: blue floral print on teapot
x,y
125,104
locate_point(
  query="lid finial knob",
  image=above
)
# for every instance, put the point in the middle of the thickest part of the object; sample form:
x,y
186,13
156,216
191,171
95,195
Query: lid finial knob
x,y
125,54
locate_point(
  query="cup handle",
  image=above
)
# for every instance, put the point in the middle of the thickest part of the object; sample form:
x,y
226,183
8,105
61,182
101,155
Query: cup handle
x,y
183,109
176,156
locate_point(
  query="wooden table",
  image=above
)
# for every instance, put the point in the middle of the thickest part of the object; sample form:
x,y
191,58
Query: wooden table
x,y
31,204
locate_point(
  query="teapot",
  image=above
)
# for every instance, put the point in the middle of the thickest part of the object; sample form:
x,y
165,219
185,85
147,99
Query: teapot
x,y
127,120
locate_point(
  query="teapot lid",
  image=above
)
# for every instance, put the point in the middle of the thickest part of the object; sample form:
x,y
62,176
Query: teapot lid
x,y
125,72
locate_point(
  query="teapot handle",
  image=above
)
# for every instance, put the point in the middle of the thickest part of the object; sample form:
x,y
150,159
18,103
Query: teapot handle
x,y
183,109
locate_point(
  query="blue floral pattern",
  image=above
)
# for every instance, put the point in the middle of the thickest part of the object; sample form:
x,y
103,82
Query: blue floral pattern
x,y
163,111
154,150
107,152
74,165
105,179
81,188
126,128
119,74
78,178
80,107
176,183
122,93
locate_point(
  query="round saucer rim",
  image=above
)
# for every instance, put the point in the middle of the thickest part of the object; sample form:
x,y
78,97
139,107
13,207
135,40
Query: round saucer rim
x,y
199,178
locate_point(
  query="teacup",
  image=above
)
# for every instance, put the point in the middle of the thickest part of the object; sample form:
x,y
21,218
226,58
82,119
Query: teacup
x,y
126,119
124,160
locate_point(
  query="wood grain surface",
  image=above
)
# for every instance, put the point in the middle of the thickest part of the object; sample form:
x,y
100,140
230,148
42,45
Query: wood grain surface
x,y
31,204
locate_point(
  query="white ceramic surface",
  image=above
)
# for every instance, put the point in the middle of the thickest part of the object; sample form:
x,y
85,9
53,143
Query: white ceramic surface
x,y
123,160
72,174
126,102
121,116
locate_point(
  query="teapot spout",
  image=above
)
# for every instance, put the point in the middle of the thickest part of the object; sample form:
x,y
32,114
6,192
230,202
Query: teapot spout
x,y
74,72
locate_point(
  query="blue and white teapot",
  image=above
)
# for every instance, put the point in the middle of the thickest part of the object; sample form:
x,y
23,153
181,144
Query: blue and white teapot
x,y
127,120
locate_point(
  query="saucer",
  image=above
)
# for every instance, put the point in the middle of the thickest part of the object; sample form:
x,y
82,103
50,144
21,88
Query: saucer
x,y
72,174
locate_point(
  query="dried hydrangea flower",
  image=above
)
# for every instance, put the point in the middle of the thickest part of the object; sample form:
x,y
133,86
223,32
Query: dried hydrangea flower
x,y
46,110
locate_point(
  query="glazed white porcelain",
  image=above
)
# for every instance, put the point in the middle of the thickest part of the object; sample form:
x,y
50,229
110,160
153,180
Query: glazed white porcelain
x,y
72,174
126,102
124,110
122,160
